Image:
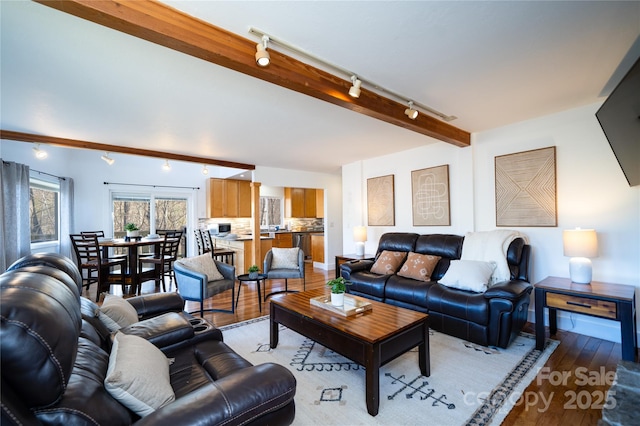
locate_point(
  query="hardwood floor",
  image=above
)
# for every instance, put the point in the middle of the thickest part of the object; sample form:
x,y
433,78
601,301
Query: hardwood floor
x,y
569,390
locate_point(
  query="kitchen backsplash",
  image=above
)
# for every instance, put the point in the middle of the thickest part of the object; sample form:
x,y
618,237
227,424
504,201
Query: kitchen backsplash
x,y
243,226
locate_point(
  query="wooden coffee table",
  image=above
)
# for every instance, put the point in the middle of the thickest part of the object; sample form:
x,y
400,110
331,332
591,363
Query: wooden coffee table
x,y
371,339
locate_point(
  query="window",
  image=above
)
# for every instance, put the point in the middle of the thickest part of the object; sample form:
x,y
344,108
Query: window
x,y
169,212
44,210
270,211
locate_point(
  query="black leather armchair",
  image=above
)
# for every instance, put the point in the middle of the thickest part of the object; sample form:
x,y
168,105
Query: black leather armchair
x,y
55,356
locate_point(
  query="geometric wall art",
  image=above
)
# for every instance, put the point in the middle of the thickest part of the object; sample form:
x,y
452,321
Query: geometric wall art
x,y
526,188
430,196
380,201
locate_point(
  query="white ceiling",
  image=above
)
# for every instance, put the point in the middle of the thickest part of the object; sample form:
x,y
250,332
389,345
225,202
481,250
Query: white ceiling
x,y
488,63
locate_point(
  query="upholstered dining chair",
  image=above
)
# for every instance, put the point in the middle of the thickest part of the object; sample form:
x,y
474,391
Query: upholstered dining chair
x,y
94,267
284,263
201,277
162,263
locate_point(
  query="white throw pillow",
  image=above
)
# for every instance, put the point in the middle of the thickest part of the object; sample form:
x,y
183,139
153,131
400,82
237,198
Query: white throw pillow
x,y
284,258
203,264
138,375
472,275
119,310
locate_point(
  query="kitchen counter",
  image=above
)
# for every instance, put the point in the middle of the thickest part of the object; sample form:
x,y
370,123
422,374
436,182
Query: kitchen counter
x,y
242,238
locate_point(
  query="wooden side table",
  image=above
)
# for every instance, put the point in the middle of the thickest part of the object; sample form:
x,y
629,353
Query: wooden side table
x,y
343,258
603,300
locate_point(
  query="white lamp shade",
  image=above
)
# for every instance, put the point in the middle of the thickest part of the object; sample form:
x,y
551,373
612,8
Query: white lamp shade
x,y
580,243
360,234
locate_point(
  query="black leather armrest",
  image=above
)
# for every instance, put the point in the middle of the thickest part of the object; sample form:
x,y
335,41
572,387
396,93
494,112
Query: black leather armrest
x,y
151,305
512,290
163,330
356,266
235,399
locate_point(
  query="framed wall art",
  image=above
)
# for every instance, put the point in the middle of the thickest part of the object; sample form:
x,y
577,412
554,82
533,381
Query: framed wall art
x,y
381,201
430,196
526,188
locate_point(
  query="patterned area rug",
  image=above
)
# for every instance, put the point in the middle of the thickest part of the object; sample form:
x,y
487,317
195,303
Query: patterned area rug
x,y
469,384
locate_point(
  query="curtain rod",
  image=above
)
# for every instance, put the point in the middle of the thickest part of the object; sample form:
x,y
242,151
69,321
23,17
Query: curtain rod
x,y
48,174
152,186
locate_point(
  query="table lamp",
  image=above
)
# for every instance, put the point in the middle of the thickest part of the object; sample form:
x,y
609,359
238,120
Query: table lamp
x,y
580,245
360,236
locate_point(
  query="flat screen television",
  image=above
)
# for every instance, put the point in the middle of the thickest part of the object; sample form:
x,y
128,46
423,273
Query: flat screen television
x,y
619,117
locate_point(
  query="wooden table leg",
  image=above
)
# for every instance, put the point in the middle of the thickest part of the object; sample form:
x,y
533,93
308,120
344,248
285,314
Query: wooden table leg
x,y
372,382
424,357
273,328
539,311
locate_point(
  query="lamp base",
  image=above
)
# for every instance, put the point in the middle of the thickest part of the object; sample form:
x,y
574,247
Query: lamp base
x,y
580,270
360,248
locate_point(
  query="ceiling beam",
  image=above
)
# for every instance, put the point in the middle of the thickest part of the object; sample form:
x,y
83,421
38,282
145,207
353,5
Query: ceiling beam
x,y
74,143
158,23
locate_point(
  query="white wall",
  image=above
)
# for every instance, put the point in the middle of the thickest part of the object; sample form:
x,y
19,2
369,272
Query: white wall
x,y
332,185
591,193
92,199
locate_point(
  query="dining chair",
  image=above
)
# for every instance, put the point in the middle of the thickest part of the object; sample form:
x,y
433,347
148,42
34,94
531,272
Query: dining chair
x,y
94,267
105,253
199,241
162,263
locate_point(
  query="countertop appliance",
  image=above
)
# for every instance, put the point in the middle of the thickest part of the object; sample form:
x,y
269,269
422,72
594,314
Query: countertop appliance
x,y
219,229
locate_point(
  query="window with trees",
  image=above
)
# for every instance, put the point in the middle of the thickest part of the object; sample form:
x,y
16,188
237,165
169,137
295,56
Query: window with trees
x,y
270,211
44,210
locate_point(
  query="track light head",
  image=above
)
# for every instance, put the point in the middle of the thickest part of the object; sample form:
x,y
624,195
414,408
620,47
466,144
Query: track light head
x,y
166,166
39,153
354,91
262,56
410,112
205,171
108,159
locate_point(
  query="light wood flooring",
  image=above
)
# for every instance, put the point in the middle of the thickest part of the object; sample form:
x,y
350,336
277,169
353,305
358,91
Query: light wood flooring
x,y
549,400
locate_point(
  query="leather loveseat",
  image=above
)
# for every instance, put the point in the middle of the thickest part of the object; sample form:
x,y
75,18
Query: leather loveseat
x,y
490,318
56,354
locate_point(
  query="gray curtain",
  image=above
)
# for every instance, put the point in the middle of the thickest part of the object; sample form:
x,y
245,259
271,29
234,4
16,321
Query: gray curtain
x,y
66,216
15,230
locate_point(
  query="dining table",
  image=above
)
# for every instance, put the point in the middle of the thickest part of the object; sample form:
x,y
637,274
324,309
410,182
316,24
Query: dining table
x,y
133,275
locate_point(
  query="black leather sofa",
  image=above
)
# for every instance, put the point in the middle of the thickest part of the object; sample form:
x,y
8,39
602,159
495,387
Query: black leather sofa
x,y
55,355
492,318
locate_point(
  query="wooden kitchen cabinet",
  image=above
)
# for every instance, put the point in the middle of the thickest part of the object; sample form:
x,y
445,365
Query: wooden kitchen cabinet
x,y
303,202
283,240
317,247
228,198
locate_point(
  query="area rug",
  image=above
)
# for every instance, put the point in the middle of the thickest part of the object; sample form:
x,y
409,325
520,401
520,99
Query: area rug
x,y
469,384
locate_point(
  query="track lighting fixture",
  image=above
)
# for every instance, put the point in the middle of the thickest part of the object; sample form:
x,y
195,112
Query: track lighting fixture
x,y
39,153
262,56
108,159
166,166
355,89
205,171
410,112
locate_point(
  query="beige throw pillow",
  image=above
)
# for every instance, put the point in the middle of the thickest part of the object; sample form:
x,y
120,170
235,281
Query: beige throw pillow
x,y
471,275
284,258
138,375
119,310
203,264
419,266
388,262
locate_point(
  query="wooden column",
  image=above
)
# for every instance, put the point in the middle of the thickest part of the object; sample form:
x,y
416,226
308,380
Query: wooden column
x,y
256,254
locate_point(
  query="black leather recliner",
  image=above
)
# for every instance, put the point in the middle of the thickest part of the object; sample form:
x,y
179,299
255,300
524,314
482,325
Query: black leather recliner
x,y
492,318
55,354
